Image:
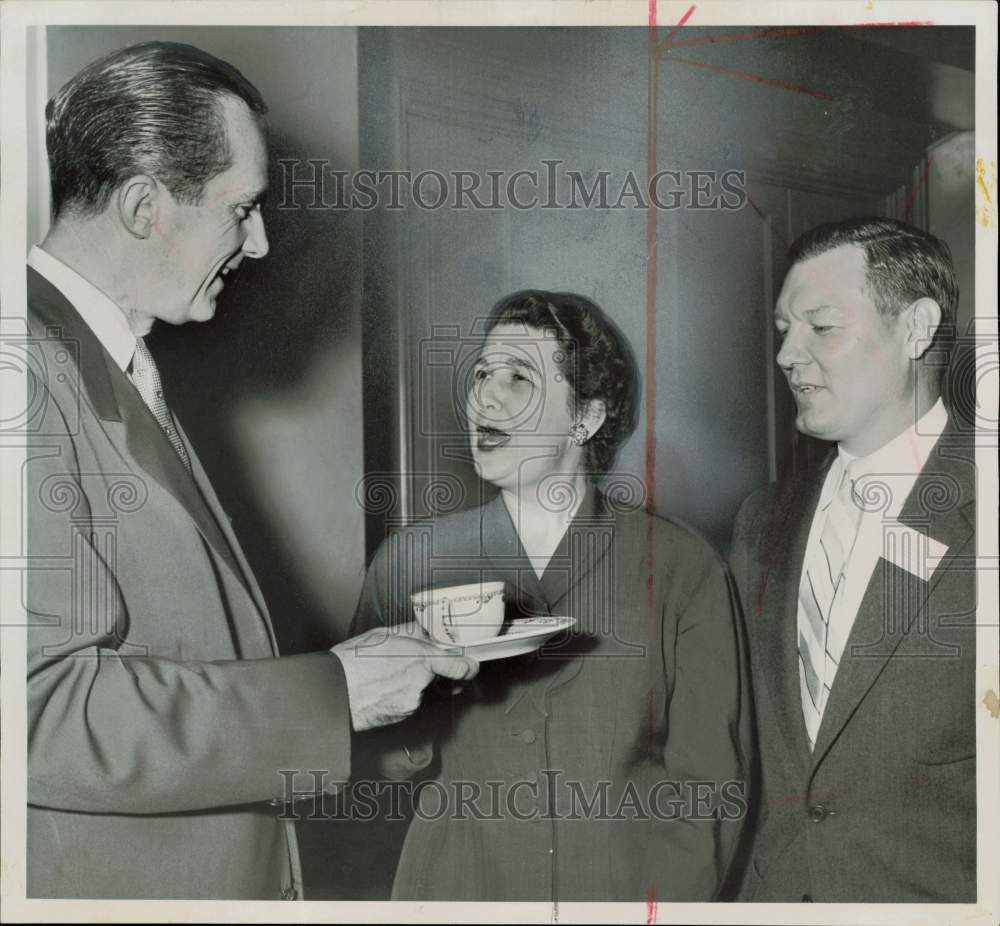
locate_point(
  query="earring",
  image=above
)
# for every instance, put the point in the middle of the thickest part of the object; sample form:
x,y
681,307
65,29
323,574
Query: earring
x,y
579,434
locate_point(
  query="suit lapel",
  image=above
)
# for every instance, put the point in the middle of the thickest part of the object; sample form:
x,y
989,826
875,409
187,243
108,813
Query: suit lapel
x,y
502,546
940,506
62,322
232,542
124,416
584,545
777,607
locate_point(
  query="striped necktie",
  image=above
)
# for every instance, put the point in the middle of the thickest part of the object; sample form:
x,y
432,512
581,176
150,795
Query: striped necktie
x,y
820,590
146,379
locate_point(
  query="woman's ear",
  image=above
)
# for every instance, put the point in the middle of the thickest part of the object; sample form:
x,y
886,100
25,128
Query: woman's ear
x,y
593,414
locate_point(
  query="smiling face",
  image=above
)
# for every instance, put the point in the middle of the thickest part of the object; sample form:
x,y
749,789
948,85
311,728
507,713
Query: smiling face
x,y
200,244
848,366
520,410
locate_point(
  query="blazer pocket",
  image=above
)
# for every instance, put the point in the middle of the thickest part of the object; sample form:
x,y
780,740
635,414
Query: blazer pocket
x,y
943,763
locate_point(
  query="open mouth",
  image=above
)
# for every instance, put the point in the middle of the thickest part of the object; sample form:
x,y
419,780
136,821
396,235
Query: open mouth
x,y
805,389
224,272
488,438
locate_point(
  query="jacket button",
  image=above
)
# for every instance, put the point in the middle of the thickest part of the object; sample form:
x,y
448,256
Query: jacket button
x,y
528,736
807,898
289,893
818,813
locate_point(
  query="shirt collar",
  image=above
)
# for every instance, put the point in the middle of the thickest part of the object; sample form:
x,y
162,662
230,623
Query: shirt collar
x,y
905,454
102,315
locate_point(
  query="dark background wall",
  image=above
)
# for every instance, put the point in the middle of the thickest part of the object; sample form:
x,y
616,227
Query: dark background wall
x,y
825,123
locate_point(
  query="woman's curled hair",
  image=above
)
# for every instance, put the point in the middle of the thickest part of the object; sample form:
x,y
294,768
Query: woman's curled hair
x,y
597,361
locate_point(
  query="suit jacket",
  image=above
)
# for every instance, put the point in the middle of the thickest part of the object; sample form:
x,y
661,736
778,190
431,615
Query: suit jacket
x,y
159,718
884,809
640,710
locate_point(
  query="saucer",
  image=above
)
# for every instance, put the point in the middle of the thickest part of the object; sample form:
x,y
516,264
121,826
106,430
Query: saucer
x,y
522,636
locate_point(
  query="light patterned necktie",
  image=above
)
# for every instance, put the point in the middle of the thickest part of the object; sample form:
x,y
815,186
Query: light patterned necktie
x,y
820,590
146,378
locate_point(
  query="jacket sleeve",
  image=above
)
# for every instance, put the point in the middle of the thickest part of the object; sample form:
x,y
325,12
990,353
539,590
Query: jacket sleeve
x,y
708,745
113,729
402,750
745,541
744,563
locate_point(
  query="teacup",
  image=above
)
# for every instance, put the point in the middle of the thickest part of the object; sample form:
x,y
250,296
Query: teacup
x,y
460,614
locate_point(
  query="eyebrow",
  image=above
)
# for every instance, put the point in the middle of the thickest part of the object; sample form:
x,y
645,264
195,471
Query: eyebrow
x,y
510,362
781,316
258,197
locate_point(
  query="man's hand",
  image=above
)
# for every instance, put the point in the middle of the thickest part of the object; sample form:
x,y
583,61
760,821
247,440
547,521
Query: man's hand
x,y
387,670
404,761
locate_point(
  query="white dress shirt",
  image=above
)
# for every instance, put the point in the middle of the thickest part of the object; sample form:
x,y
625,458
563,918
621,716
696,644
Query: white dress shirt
x,y
883,479
110,326
102,315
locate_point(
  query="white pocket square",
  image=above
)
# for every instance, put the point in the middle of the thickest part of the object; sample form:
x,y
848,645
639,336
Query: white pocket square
x,y
912,550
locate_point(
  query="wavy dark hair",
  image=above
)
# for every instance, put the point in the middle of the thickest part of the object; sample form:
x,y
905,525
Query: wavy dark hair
x,y
152,108
597,362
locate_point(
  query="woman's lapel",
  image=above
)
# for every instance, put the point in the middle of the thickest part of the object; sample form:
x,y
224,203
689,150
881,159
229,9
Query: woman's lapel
x,y
580,550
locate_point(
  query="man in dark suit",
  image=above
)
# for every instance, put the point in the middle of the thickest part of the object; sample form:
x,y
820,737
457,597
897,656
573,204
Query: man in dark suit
x,y
163,727
858,584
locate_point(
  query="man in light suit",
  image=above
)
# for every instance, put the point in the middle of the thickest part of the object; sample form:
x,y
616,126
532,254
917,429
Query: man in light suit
x,y
163,726
858,585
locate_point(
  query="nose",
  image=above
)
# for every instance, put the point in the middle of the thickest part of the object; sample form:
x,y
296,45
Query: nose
x,y
255,244
791,352
489,392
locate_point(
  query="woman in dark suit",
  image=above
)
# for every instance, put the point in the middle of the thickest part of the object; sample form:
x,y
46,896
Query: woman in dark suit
x,y
609,765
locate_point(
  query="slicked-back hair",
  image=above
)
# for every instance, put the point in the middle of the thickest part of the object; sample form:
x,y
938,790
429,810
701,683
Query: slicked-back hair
x,y
903,264
597,361
153,108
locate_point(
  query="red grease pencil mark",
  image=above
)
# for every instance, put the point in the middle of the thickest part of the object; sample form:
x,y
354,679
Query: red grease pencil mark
x,y
769,81
918,186
651,217
739,36
669,42
650,735
760,593
670,35
651,904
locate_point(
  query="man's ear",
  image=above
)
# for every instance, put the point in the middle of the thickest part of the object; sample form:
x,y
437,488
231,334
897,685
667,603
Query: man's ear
x,y
593,414
923,320
138,203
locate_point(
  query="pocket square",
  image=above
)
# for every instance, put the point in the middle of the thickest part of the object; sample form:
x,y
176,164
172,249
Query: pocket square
x,y
912,550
